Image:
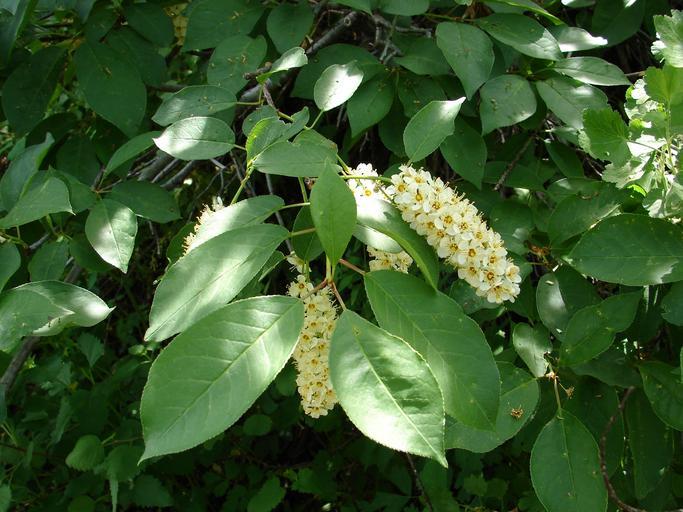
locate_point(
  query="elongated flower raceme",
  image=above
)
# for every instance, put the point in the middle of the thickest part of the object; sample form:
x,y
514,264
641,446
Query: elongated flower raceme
x,y
366,190
313,348
454,227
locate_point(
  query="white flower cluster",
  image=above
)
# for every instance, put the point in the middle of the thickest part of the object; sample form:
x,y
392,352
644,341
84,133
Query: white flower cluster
x,y
313,348
364,190
382,260
454,227
204,217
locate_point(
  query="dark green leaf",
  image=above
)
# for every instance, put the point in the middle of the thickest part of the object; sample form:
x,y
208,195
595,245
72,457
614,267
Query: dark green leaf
x,y
565,467
10,260
568,100
28,90
211,21
130,150
428,128
370,103
672,305
49,261
631,249
86,454
288,25
51,196
519,395
236,55
664,390
469,52
465,151
506,100
151,22
306,246
147,200
111,86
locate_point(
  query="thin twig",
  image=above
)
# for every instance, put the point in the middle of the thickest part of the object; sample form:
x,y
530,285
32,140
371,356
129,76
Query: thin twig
x,y
603,457
337,295
178,178
317,288
514,162
350,265
418,482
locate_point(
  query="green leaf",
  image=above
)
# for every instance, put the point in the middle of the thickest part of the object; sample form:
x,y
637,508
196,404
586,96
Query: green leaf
x,y
19,173
386,388
111,228
130,150
465,151
147,200
333,210
122,463
669,43
665,85
672,304
265,133
236,55
630,249
469,52
404,7
452,344
573,39
664,390
257,425
591,330
519,395
28,90
336,85
10,260
87,453
309,154
208,376
514,221
370,103
112,87
306,246
5,497
385,218
522,33
211,20
651,444
559,295
591,70
46,308
150,492
605,135
243,213
617,20
292,58
565,158
568,100
151,22
565,467
194,101
11,26
91,347
49,261
506,100
142,54
210,276
196,138
428,128
577,213
268,496
423,57
288,24
532,344
51,196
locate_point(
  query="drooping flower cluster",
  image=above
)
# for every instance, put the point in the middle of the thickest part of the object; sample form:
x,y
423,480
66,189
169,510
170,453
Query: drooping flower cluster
x,y
179,21
382,260
205,216
370,189
312,349
454,227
